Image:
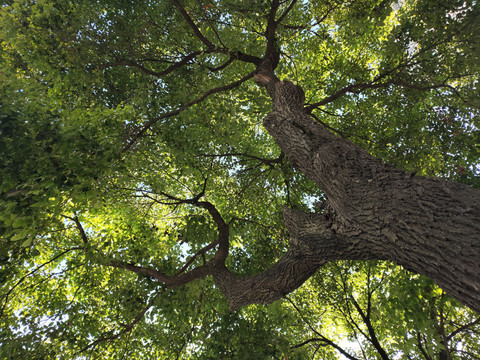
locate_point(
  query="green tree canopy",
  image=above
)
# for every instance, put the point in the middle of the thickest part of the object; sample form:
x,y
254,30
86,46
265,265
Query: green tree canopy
x,y
142,194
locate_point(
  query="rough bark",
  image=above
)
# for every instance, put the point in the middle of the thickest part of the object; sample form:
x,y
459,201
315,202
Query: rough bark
x,y
312,244
374,211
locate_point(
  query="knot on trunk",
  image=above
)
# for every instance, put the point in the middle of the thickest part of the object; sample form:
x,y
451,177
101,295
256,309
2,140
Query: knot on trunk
x,y
288,96
309,229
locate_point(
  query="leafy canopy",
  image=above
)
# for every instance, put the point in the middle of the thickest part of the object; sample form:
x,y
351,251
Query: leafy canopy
x,y
118,117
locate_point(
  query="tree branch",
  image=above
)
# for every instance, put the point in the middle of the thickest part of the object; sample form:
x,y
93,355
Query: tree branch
x,y
186,59
222,226
169,280
234,55
358,88
277,160
223,66
126,329
290,7
422,350
153,121
223,232
202,271
22,279
320,338
199,252
79,226
270,30
306,342
463,328
287,274
194,27
312,244
354,88
371,331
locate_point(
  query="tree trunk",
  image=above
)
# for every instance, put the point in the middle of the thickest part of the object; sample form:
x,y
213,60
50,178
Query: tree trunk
x,y
374,211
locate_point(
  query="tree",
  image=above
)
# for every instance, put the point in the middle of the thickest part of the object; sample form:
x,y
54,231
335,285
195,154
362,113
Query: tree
x,y
141,160
385,312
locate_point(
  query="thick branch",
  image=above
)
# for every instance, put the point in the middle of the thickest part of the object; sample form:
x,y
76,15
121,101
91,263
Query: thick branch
x,y
223,231
312,244
169,280
429,226
291,271
271,27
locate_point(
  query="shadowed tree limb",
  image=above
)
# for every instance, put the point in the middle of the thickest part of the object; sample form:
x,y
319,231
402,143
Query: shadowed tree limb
x,y
169,280
277,160
270,30
202,251
285,13
422,349
182,278
371,331
185,60
463,328
358,88
312,244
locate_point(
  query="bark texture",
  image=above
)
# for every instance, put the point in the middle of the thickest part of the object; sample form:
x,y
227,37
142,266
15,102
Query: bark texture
x,y
375,211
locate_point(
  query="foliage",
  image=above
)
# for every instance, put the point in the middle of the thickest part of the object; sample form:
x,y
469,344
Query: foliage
x,y
117,118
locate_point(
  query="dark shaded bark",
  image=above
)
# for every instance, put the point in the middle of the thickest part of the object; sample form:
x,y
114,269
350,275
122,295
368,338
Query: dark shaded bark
x,y
375,211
